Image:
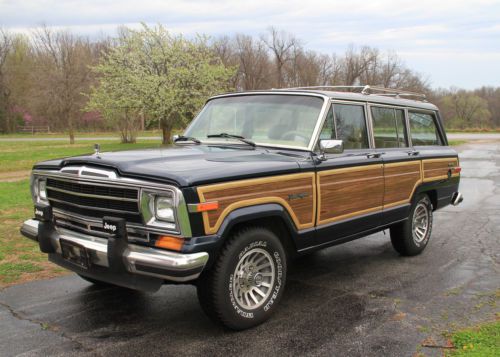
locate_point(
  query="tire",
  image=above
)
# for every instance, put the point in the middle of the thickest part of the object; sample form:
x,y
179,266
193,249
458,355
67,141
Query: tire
x,y
252,259
412,236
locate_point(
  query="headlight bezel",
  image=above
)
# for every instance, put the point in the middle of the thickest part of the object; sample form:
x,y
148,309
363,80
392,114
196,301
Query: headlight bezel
x,y
149,200
36,194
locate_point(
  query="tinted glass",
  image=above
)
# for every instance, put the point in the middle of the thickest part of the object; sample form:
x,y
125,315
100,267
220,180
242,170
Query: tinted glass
x,y
350,125
388,127
423,129
266,119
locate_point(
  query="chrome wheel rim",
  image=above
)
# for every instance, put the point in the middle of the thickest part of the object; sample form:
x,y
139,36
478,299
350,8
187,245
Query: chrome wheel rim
x,y
253,279
420,222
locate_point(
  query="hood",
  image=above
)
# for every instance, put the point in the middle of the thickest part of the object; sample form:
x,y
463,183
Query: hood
x,y
190,165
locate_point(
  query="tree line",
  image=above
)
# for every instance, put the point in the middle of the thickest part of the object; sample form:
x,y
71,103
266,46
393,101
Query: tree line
x,y
151,78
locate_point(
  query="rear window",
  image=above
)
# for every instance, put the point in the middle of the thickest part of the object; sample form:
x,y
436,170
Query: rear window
x,y
423,129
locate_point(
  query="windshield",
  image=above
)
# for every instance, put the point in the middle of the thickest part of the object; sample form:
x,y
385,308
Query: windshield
x,y
286,120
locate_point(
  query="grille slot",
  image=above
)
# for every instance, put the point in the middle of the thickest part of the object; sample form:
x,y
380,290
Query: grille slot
x,y
94,200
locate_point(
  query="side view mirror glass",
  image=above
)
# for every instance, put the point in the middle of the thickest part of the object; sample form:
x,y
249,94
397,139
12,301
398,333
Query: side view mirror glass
x,y
331,146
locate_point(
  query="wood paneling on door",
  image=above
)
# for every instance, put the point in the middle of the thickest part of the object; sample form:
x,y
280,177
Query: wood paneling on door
x,y
348,192
401,180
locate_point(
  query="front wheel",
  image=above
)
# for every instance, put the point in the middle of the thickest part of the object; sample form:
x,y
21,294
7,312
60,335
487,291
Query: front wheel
x,y
245,284
411,236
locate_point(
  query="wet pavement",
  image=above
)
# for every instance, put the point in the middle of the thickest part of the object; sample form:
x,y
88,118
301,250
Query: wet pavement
x,y
356,299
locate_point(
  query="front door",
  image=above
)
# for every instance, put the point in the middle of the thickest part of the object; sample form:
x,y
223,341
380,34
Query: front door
x,y
350,185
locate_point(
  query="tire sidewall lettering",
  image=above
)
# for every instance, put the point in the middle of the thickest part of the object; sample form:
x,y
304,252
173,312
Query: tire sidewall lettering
x,y
278,283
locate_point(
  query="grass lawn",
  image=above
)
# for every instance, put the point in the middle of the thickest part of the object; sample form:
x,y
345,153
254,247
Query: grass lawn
x,y
20,258
19,155
483,340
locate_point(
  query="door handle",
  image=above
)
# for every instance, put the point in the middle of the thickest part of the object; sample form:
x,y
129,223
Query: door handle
x,y
374,155
413,153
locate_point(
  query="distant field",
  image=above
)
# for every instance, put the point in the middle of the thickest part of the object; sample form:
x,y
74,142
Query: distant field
x,y
86,134
18,155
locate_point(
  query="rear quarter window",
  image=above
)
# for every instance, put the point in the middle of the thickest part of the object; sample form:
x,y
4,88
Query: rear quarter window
x,y
423,129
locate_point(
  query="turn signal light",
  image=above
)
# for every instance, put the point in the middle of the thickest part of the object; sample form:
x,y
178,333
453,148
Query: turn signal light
x,y
207,206
167,242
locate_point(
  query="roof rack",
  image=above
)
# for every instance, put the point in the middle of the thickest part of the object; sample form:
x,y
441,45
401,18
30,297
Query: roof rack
x,y
367,90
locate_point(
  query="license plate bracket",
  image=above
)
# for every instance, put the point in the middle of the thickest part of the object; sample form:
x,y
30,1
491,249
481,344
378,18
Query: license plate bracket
x,y
75,254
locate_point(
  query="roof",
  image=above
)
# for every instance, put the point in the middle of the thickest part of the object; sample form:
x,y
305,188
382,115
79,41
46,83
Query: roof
x,y
348,96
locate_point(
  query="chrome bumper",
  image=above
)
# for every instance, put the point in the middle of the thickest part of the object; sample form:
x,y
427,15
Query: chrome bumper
x,y
137,259
457,198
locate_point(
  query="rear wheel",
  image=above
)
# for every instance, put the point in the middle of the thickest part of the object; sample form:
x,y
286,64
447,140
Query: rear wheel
x,y
246,282
411,236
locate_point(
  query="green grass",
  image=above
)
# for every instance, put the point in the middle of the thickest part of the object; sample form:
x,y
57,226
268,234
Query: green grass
x,y
19,155
20,258
456,142
483,340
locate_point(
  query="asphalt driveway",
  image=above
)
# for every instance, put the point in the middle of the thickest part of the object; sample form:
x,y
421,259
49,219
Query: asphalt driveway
x,y
356,299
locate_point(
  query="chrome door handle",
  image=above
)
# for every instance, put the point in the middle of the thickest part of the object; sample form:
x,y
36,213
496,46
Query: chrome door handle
x,y
374,155
413,153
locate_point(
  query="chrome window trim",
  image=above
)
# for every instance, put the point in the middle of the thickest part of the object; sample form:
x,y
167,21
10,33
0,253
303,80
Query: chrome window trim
x,y
182,218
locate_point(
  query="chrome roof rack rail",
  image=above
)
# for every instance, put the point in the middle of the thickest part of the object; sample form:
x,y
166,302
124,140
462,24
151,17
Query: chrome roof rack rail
x,y
367,90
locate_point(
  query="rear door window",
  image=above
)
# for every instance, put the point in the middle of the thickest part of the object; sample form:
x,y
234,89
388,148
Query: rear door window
x,y
423,129
389,129
350,125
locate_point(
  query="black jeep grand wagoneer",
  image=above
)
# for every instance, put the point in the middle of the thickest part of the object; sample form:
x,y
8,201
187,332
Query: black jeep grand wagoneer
x,y
257,178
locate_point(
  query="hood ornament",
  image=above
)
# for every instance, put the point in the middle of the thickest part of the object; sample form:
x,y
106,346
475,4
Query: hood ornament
x,y
97,148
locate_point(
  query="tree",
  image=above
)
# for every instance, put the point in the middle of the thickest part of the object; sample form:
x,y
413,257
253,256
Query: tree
x,y
465,110
5,50
165,75
62,75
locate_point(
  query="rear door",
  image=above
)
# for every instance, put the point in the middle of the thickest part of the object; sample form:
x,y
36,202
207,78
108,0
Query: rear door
x,y
402,164
350,185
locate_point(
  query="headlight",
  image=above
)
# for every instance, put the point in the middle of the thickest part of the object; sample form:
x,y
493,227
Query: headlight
x,y
39,189
42,190
164,208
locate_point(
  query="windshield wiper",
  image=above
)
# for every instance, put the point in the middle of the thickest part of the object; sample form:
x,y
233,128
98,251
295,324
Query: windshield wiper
x,y
230,136
187,138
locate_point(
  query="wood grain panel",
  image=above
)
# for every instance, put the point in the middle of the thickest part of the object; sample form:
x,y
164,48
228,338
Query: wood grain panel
x,y
345,193
437,169
275,189
401,180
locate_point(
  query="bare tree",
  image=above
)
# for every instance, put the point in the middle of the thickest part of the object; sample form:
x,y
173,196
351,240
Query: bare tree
x,y
282,46
5,49
63,75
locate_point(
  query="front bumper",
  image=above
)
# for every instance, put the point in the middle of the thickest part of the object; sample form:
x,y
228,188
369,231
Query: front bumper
x,y
154,265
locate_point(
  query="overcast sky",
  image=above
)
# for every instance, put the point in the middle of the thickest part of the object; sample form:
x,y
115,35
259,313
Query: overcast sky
x,y
451,42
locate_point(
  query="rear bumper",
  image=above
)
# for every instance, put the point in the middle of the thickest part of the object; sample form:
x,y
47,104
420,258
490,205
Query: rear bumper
x,y
154,264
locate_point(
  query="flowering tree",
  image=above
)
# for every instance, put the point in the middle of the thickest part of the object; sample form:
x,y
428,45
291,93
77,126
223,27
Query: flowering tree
x,y
164,76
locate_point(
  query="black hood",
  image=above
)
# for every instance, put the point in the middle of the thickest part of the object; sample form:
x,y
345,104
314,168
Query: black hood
x,y
193,164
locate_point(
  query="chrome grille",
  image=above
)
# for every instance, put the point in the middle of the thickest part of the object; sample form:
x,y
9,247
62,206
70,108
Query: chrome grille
x,y
94,200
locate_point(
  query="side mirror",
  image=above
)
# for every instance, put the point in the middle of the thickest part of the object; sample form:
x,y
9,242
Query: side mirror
x,y
331,147
174,138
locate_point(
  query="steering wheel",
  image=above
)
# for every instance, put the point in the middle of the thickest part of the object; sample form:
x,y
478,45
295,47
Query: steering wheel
x,y
292,134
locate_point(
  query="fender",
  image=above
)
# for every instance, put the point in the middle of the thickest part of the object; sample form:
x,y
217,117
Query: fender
x,y
443,189
212,244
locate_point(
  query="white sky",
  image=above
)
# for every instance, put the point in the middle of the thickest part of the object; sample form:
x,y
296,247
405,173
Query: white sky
x,y
452,42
